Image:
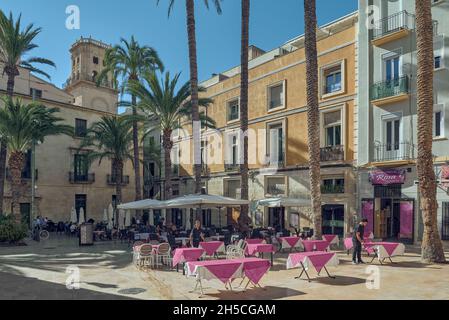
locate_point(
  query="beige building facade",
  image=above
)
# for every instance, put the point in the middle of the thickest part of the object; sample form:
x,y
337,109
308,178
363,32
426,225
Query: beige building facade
x,y
63,180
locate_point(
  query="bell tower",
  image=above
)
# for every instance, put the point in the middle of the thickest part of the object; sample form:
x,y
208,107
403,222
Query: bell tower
x,y
87,56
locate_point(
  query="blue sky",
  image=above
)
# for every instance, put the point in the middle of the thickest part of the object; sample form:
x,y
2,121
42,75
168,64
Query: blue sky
x,y
273,22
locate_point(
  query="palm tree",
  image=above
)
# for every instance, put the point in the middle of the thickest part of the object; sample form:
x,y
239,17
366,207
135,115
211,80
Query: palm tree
x,y
313,112
128,61
191,32
243,218
21,126
15,43
432,248
111,138
166,106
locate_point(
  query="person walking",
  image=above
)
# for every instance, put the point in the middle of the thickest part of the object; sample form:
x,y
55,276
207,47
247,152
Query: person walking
x,y
357,241
197,234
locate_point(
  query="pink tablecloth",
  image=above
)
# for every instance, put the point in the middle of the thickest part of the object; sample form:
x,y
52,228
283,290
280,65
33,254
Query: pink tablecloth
x,y
331,238
254,241
253,249
317,259
349,244
254,268
385,249
211,247
182,255
290,242
315,245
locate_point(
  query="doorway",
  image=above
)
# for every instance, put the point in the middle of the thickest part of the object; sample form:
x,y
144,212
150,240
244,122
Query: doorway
x,y
25,213
276,218
333,219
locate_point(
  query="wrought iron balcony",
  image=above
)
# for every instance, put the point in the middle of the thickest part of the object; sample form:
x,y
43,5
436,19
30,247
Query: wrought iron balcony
x,y
229,167
332,153
329,189
400,151
77,178
390,88
112,180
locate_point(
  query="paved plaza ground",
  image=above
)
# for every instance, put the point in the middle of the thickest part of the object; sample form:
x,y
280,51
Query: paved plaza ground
x,y
38,271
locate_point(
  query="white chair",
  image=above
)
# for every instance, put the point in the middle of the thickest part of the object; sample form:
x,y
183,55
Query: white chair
x,y
136,251
164,254
234,252
146,256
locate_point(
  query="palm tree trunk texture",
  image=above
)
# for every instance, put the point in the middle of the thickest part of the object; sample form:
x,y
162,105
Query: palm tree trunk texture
x,y
432,248
138,190
243,218
16,165
313,112
118,171
190,8
3,148
167,144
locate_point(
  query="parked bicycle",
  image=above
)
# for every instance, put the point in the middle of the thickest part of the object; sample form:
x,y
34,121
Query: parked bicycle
x,y
38,234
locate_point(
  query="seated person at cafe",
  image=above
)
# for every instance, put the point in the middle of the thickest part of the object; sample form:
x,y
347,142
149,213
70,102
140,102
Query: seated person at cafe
x,y
197,234
174,231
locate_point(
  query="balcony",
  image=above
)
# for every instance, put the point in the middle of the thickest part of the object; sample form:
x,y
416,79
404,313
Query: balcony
x,y
332,153
393,153
390,91
76,178
332,189
231,167
112,181
391,28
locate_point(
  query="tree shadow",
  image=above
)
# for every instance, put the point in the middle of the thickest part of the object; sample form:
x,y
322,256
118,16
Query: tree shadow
x,y
264,293
339,281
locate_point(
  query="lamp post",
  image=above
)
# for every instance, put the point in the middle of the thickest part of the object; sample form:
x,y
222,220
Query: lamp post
x,y
33,171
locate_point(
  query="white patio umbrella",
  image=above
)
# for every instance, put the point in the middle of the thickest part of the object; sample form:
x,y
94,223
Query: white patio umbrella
x,y
73,217
110,216
128,218
284,202
141,205
121,219
105,215
203,201
81,216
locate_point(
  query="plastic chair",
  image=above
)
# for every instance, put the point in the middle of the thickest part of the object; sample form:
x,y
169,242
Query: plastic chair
x,y
164,254
146,256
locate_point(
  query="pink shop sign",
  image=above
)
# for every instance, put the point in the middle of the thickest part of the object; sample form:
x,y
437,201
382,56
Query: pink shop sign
x,y
387,177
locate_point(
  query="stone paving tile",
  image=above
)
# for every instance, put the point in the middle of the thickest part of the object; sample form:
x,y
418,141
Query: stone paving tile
x,y
38,272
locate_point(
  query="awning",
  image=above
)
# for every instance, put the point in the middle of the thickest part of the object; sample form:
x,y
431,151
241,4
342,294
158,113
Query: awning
x,y
204,201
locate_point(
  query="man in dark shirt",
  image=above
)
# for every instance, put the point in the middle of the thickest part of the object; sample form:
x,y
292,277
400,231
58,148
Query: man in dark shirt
x,y
197,235
357,241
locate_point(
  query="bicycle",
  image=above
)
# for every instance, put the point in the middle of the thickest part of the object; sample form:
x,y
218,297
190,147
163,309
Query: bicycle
x,y
38,234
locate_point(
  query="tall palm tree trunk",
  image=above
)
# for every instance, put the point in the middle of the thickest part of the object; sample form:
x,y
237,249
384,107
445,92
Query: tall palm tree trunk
x,y
432,248
243,218
3,148
190,8
138,190
118,171
167,144
16,165
313,112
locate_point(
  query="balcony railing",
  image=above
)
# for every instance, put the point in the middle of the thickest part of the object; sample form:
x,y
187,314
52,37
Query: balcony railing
x,y
112,180
329,189
390,88
26,175
231,167
394,151
87,178
395,22
332,153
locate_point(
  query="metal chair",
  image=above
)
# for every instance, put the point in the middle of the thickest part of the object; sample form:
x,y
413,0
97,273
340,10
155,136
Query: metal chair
x,y
164,254
146,256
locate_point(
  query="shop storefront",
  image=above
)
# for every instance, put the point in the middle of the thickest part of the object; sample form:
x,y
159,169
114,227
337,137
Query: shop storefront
x,y
390,213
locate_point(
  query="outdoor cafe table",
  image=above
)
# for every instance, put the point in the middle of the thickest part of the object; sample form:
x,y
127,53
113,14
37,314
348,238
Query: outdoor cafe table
x,y
183,255
253,249
228,270
385,250
331,239
348,243
318,259
182,240
315,245
290,243
212,248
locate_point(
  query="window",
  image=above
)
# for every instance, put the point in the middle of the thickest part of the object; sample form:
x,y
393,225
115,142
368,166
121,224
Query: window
x,y
35,93
392,70
175,156
95,60
392,134
80,127
233,110
207,218
232,149
203,152
333,185
332,79
437,62
438,122
81,202
232,188
332,128
175,190
438,47
26,173
276,186
276,143
276,96
81,167
235,150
